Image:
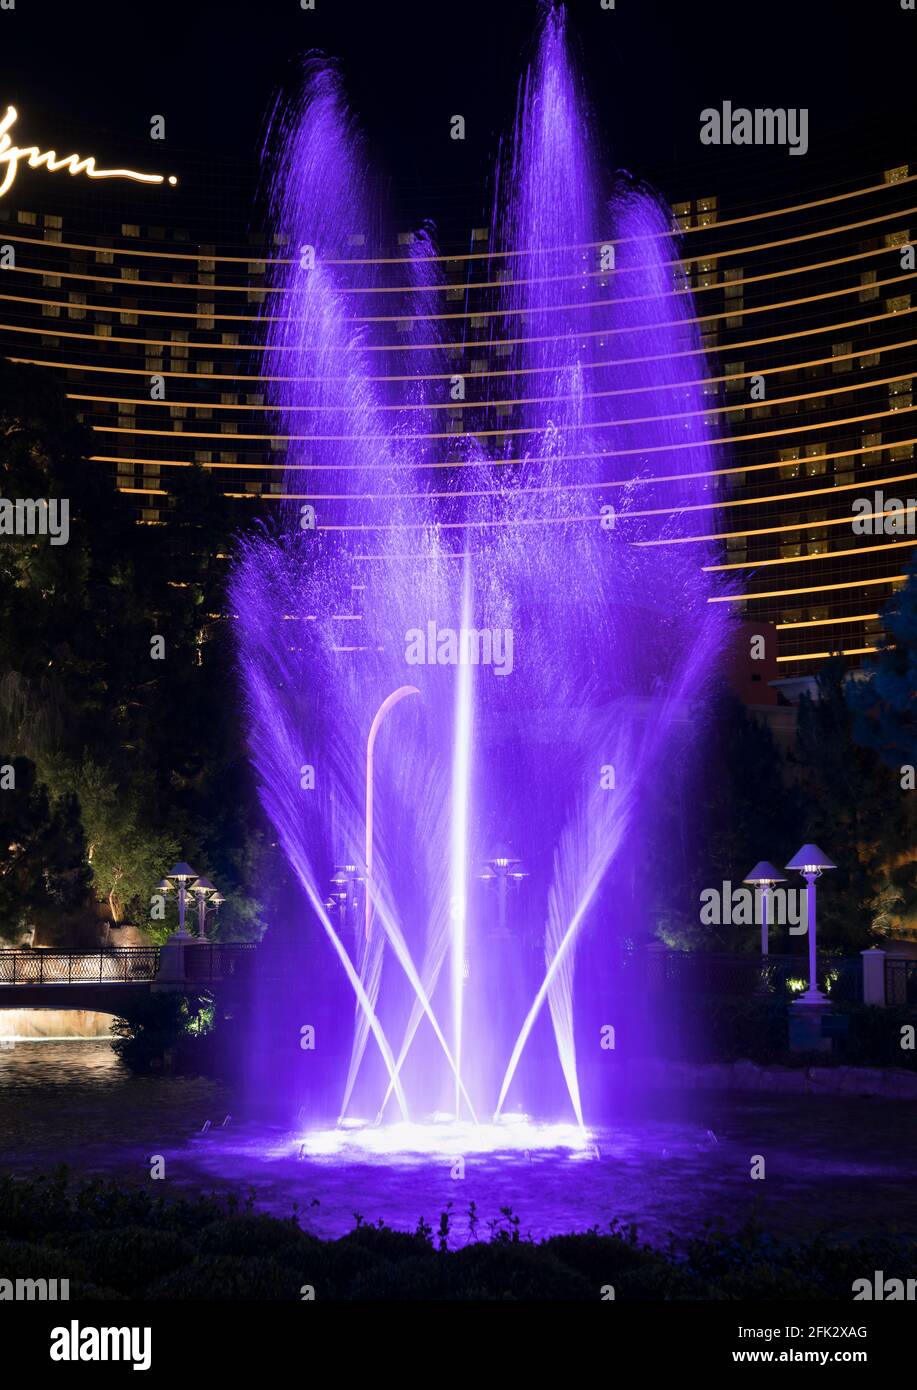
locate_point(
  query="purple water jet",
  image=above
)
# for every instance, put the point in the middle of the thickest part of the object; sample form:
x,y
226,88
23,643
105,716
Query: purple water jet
x,y
498,510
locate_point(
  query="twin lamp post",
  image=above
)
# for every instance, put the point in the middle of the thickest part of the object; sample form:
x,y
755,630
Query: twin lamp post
x,y
183,877
811,862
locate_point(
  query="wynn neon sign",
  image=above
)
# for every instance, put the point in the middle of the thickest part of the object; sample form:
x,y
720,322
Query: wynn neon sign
x,y
12,156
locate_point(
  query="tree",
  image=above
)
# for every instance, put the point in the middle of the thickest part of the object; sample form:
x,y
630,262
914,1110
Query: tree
x,y
153,749
853,809
884,700
43,868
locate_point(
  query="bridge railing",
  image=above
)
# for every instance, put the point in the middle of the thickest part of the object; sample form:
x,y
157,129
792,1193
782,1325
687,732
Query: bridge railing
x,y
218,960
120,965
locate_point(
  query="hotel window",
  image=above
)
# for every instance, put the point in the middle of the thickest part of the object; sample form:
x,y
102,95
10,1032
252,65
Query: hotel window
x,y
706,211
841,350
480,234
129,272
790,546
27,219
105,257
790,457
736,370
50,219
732,291
231,339
816,536
899,394
74,312
50,311
899,238
130,229
816,464
898,304
868,277
896,175
870,359
52,282
204,368
902,451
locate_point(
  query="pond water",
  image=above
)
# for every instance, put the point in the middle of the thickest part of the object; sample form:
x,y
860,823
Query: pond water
x,y
843,1166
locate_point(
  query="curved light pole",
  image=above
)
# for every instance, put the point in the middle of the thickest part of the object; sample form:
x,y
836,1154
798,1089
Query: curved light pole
x,y
387,704
811,862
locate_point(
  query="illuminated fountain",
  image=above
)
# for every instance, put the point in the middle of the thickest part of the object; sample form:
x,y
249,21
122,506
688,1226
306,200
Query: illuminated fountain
x,y
492,631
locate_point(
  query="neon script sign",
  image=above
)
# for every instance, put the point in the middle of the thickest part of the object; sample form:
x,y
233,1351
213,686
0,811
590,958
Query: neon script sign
x,y
12,155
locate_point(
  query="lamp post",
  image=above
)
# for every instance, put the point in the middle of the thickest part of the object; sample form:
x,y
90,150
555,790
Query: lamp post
x,y
202,889
811,862
180,875
503,870
345,885
764,876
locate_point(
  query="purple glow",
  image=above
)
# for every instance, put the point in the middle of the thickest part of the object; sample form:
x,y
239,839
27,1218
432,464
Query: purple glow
x,y
602,640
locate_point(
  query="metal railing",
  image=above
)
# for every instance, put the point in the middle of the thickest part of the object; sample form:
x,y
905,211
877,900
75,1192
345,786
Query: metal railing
x,y
219,960
900,980
120,965
703,972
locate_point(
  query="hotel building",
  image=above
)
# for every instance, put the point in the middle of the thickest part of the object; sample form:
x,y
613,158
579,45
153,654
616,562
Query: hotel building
x,y
805,305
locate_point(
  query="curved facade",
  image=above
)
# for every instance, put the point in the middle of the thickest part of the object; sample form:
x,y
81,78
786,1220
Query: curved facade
x,y
805,309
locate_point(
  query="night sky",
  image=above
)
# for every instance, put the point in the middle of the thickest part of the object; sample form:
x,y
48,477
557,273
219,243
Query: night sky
x,y
90,75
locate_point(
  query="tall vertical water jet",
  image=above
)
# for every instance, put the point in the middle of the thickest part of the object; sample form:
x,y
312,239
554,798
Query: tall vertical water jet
x,y
536,578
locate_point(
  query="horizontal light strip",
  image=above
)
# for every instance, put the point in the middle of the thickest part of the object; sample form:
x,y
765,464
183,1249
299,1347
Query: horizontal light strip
x,y
476,343
830,622
584,486
807,559
824,656
247,350
765,530
486,434
533,400
481,255
580,276
810,589
450,286
702,414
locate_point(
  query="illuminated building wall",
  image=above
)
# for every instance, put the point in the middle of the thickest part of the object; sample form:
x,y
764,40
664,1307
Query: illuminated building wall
x,y
115,284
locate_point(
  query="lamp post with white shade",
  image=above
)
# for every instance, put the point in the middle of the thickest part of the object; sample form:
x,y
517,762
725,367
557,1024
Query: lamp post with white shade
x,y
202,889
764,876
180,876
811,862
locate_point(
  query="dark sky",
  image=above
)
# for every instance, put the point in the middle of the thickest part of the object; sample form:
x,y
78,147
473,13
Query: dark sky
x,y
90,75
